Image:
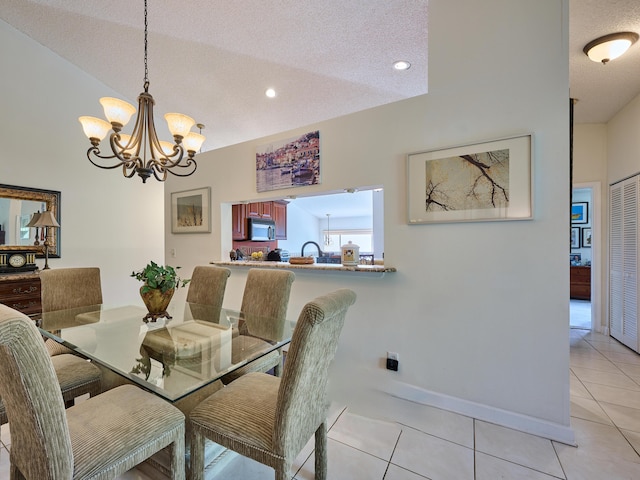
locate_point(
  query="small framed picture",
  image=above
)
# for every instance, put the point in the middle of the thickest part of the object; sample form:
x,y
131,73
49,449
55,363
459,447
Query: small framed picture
x,y
575,259
580,212
575,237
586,238
191,211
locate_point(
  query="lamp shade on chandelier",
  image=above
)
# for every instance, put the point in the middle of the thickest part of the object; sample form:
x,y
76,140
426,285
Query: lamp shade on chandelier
x,y
142,152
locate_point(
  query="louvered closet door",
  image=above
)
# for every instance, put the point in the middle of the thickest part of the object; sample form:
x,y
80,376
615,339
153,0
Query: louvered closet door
x,y
623,261
615,262
630,263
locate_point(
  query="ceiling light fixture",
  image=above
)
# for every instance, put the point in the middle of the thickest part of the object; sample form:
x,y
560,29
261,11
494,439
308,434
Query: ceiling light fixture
x,y
609,47
270,92
402,65
142,152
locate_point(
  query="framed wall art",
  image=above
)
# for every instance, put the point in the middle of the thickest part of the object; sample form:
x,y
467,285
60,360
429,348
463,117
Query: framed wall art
x,y
580,212
191,211
575,237
481,182
586,238
293,162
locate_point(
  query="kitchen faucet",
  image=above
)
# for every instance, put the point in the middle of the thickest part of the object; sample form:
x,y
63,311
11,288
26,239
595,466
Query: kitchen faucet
x,y
313,243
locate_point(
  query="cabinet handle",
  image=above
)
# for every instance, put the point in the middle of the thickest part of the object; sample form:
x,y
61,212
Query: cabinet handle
x,y
31,289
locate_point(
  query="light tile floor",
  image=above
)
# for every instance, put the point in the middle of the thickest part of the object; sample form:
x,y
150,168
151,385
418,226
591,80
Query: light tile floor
x,y
424,442
580,314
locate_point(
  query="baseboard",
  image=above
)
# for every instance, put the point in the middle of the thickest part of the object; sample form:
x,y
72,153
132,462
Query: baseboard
x,y
516,421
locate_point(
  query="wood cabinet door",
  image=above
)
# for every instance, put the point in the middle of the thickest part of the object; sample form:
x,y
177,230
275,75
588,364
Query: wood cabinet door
x,y
280,217
239,222
254,209
267,210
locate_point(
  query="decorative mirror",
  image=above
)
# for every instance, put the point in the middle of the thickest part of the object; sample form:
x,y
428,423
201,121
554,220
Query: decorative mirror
x,y
17,206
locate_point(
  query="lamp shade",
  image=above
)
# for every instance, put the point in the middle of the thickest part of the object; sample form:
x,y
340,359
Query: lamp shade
x,y
34,219
193,141
610,47
94,127
117,111
179,124
46,220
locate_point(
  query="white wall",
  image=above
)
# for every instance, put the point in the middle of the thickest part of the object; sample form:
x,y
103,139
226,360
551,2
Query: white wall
x,y
107,221
623,143
477,311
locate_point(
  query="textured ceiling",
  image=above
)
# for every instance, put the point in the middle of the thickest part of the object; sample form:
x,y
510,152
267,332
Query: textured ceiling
x,y
602,90
214,59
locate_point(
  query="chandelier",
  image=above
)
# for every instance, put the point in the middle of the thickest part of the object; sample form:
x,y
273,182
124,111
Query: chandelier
x,y
142,152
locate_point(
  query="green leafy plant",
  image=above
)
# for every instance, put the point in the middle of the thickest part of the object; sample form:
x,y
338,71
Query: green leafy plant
x,y
160,277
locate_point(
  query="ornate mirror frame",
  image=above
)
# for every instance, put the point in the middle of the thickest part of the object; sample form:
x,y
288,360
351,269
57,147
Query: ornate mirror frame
x,y
52,200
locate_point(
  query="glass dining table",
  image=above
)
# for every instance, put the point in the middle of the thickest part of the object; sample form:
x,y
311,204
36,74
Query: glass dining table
x,y
172,358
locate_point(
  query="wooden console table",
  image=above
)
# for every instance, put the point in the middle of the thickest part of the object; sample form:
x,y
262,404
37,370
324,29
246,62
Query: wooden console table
x,y
21,291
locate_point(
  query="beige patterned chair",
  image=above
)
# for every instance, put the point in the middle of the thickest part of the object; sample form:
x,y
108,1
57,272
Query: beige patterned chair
x,y
264,306
64,288
207,288
270,419
101,438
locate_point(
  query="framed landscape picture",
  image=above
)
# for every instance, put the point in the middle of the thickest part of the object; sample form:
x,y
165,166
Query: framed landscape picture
x,y
191,211
580,212
480,182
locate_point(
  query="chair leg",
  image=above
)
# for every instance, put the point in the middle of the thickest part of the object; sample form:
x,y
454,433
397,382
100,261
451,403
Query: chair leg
x,y
197,454
177,462
321,452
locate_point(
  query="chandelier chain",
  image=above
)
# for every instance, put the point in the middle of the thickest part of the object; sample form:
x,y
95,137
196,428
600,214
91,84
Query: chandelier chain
x,y
146,68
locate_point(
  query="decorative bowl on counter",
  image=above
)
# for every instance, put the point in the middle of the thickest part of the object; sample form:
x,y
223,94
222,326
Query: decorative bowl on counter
x,y
301,260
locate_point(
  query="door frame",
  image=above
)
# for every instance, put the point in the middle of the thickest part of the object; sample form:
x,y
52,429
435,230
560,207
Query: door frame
x,y
596,256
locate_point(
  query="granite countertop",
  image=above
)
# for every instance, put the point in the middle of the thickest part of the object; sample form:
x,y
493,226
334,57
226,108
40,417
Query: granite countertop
x,y
317,267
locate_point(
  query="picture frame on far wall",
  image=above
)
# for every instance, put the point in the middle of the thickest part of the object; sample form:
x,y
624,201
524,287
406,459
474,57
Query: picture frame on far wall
x,y
586,238
191,211
580,212
575,237
485,181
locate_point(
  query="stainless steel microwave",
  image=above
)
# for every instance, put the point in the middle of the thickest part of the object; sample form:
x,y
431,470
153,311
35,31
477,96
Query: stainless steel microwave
x,y
261,230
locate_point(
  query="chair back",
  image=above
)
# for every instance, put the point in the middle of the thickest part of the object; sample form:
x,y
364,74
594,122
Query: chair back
x,y
64,288
265,301
302,404
40,442
207,288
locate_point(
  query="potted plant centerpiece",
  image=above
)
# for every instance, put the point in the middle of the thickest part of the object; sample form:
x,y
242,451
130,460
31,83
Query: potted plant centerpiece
x,y
159,284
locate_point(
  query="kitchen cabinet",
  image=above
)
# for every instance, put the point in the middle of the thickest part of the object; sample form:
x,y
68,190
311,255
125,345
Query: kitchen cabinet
x,y
260,210
623,263
276,211
280,217
239,222
580,283
21,292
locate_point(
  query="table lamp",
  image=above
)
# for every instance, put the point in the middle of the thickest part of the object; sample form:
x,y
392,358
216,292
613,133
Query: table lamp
x,y
32,224
46,221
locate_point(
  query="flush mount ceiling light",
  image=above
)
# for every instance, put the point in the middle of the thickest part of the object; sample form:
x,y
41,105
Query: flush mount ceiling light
x,y
609,47
142,152
402,65
270,92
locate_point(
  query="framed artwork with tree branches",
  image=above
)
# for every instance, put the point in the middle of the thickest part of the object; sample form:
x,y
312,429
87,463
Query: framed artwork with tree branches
x,y
470,183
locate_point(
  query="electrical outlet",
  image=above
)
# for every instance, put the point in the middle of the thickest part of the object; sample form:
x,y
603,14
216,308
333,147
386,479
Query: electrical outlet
x,y
392,361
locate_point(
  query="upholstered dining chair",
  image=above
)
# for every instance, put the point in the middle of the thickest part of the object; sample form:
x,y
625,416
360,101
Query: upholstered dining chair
x,y
64,288
101,437
270,419
207,287
264,306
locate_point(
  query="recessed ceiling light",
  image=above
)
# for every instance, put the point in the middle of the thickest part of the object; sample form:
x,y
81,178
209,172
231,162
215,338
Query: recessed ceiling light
x,y
270,92
402,65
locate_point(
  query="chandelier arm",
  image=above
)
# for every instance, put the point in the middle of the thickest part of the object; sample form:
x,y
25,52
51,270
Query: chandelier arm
x,y
189,163
96,153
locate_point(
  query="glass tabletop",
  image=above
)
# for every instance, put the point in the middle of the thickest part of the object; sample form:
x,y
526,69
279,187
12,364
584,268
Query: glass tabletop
x,y
170,357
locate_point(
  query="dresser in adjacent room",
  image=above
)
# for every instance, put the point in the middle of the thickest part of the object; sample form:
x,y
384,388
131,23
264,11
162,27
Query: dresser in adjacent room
x,y
580,283
21,291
